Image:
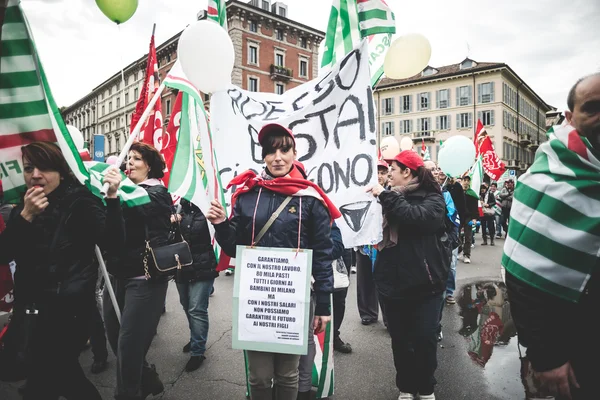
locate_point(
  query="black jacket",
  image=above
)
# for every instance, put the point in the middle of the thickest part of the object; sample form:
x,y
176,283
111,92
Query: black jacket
x,y
555,330
458,197
314,233
472,208
194,229
156,216
418,264
65,276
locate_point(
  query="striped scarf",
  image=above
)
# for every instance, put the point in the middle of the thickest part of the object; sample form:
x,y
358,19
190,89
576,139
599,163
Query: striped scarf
x,y
553,239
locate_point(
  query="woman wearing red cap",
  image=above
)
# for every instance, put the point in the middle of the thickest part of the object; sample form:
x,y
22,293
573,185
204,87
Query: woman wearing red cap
x,y
304,223
411,271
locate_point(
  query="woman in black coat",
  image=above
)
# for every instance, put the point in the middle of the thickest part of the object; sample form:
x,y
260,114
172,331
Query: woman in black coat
x,y
140,292
488,202
411,271
195,283
304,223
51,236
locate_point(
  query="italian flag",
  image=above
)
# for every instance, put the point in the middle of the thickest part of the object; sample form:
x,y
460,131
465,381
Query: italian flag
x,y
476,174
217,11
349,22
28,113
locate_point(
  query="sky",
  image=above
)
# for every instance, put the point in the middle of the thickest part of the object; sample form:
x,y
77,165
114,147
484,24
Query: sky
x,y
549,44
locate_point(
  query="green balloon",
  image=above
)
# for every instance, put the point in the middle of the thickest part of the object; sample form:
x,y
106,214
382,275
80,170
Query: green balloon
x,y
118,11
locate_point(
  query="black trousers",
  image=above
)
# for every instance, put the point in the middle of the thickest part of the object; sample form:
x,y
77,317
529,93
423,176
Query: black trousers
x,y
413,325
339,299
55,366
97,334
488,228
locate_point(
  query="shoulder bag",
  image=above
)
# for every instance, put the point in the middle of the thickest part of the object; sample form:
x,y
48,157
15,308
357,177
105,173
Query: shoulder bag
x,y
165,259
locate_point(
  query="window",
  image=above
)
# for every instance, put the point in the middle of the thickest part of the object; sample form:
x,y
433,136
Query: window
x,y
406,126
101,96
135,93
464,120
118,102
282,12
442,123
118,123
168,104
279,59
279,88
486,117
169,58
279,33
265,5
303,42
406,104
110,106
117,142
253,26
103,113
118,86
253,55
127,98
303,68
423,99
109,91
423,127
388,106
253,84
485,92
206,97
443,98
463,95
387,128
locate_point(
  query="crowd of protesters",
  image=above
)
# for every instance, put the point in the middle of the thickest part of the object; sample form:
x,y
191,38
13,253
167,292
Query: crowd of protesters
x,y
429,219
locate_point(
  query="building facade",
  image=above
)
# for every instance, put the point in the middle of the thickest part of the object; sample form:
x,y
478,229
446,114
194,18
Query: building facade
x,y
443,102
272,54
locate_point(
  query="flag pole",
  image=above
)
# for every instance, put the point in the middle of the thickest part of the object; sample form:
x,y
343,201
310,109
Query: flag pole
x,y
136,131
108,284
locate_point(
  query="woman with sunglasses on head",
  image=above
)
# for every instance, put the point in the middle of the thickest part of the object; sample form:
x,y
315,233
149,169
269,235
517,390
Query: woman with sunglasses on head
x,y
52,236
304,223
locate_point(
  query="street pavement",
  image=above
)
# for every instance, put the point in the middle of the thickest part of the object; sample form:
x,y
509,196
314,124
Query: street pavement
x,y
367,373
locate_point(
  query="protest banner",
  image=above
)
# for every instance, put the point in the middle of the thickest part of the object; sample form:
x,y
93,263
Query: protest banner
x,y
333,121
271,299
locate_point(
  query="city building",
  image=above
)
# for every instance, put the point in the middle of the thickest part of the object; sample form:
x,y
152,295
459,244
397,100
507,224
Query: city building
x,y
272,54
442,102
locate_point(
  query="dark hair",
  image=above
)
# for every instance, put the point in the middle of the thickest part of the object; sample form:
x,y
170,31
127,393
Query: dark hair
x,y
47,156
571,97
494,184
276,141
426,180
152,157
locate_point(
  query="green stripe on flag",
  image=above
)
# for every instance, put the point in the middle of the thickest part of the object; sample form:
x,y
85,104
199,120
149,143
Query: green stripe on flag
x,y
547,247
372,14
20,110
13,80
330,37
11,48
538,281
375,31
346,29
13,14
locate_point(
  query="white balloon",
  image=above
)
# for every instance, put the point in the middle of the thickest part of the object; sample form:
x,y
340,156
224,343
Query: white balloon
x,y
389,147
407,56
207,55
406,143
77,136
456,156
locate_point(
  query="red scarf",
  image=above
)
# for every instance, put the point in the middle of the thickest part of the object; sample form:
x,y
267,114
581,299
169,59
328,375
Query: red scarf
x,y
293,184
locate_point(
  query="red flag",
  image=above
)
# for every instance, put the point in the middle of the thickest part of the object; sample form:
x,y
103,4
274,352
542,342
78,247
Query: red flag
x,y
423,147
170,138
492,165
151,131
479,133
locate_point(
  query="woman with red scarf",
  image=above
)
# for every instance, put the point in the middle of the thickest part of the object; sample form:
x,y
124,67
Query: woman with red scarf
x,y
304,223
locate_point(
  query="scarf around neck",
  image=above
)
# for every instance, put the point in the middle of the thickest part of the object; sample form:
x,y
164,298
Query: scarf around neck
x,y
292,184
390,231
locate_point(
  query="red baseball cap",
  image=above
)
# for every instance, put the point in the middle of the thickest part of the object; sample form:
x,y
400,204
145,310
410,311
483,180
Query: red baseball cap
x,y
383,164
274,128
409,158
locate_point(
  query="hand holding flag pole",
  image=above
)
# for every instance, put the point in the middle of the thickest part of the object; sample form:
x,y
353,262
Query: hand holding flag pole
x,y
136,131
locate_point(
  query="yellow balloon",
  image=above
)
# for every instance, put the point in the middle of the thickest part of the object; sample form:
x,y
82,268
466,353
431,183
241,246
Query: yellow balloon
x,y
407,56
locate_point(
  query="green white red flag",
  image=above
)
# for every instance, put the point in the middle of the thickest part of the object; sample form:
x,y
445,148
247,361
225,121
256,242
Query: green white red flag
x,y
217,11
28,113
492,165
476,174
349,22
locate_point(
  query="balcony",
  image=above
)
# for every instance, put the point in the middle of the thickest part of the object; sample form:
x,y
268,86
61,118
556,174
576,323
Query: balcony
x,y
525,139
511,163
426,135
523,166
533,146
279,73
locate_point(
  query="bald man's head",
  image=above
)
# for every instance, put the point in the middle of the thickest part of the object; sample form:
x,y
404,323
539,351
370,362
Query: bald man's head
x,y
584,108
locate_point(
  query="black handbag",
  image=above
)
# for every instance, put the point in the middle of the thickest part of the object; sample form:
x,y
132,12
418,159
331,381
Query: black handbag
x,y
166,259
